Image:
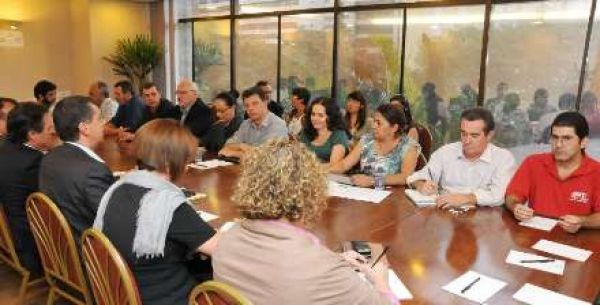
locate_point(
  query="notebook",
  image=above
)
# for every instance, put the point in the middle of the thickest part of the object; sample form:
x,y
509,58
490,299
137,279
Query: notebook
x,y
420,199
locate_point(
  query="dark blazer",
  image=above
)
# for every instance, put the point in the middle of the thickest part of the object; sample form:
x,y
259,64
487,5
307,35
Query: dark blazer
x,y
75,182
214,139
19,168
199,119
166,110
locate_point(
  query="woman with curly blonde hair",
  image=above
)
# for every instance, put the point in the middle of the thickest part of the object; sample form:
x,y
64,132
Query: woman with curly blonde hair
x,y
272,257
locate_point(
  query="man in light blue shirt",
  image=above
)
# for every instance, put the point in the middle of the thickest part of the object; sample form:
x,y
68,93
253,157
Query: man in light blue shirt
x,y
261,125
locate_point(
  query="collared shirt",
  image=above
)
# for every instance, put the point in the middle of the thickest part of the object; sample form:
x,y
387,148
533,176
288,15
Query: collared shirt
x,y
537,182
129,115
87,150
486,177
249,133
108,109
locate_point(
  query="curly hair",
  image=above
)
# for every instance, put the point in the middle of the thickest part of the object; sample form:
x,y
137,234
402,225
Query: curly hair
x,y
281,178
335,120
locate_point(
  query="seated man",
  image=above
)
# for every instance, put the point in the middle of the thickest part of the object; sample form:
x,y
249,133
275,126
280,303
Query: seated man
x,y
192,112
470,172
72,175
260,126
129,113
155,107
560,184
99,93
45,93
30,134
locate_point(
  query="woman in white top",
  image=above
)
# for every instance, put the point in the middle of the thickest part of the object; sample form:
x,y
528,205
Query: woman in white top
x,y
300,99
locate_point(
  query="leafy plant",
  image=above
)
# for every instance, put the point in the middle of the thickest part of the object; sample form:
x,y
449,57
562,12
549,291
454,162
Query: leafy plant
x,y
206,54
135,58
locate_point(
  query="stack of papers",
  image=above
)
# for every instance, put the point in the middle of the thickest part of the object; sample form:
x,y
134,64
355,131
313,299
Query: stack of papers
x,y
420,199
527,260
540,223
534,295
397,287
555,248
209,164
207,216
474,286
356,193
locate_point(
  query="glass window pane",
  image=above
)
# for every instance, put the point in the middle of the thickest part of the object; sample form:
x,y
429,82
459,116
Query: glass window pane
x,y
201,8
363,2
443,51
184,47
589,99
211,57
369,56
306,53
261,6
256,52
534,53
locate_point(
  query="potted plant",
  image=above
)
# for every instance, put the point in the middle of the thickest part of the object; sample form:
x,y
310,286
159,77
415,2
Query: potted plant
x,y
135,58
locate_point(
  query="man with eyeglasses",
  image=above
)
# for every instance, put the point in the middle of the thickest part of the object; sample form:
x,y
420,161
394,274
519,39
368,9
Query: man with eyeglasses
x,y
192,112
561,184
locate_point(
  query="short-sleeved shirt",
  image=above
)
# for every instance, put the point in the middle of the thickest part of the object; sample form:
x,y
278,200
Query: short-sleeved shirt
x,y
129,115
250,133
390,163
165,280
537,182
323,152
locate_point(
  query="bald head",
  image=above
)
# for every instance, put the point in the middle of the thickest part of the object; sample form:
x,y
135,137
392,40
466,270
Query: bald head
x,y
187,93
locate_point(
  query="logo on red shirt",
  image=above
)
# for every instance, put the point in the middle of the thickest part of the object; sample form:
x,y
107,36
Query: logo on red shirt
x,y
579,197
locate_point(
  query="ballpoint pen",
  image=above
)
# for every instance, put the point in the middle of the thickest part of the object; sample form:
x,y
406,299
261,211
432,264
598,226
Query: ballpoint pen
x,y
524,261
380,256
471,284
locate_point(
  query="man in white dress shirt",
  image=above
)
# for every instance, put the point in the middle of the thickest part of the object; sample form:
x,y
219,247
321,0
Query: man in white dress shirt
x,y
99,93
470,172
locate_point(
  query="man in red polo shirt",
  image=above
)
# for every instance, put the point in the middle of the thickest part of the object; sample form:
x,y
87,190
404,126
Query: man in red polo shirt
x,y
563,184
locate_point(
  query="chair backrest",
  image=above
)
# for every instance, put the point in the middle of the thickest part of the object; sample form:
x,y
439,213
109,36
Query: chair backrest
x,y
216,293
111,279
57,248
8,254
425,140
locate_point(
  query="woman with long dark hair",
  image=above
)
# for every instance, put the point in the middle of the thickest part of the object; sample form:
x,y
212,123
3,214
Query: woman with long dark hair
x,y
357,122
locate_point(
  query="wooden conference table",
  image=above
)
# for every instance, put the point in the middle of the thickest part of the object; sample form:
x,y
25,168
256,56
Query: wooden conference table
x,y
428,247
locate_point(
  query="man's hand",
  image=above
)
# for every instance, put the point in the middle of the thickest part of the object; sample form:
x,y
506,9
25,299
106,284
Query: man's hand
x,y
362,180
522,212
571,223
426,187
454,200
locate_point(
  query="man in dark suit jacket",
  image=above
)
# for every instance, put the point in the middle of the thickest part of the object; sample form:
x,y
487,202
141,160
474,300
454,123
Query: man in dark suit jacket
x,y
72,175
193,113
30,132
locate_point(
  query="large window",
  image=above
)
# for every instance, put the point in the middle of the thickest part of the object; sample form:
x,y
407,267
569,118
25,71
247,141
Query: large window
x,y
261,6
307,52
535,53
211,54
369,56
443,55
256,52
201,8
591,90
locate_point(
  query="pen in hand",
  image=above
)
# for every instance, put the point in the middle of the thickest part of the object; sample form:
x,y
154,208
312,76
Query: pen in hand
x,y
380,256
470,285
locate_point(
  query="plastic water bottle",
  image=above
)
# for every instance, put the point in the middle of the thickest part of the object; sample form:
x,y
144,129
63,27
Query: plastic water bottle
x,y
379,177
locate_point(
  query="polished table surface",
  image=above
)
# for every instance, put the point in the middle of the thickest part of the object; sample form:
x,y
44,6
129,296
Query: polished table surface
x,y
428,247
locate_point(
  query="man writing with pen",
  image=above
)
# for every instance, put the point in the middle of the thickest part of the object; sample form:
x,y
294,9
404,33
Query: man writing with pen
x,y
468,173
564,183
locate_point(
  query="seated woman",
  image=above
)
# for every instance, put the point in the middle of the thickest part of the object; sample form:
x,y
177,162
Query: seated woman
x,y
300,98
227,122
272,257
357,122
324,132
148,220
399,100
388,150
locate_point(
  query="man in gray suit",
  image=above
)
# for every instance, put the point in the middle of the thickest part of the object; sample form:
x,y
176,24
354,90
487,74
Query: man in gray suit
x,y
72,175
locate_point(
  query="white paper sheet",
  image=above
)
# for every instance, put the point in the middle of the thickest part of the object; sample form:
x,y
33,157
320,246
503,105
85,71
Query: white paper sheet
x,y
483,288
209,164
420,199
559,249
534,295
356,193
226,226
398,288
540,223
339,179
207,216
557,266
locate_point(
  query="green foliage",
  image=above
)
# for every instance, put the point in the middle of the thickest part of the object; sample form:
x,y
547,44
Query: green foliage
x,y
135,58
206,54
